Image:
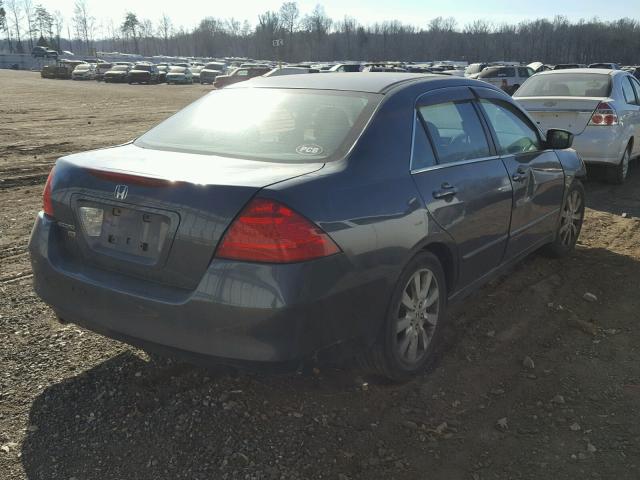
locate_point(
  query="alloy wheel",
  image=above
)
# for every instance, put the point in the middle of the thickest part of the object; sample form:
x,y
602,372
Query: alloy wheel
x,y
625,163
571,218
417,316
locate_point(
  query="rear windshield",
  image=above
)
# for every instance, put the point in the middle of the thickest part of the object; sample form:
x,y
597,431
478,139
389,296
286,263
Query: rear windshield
x,y
267,124
177,69
146,68
566,85
120,68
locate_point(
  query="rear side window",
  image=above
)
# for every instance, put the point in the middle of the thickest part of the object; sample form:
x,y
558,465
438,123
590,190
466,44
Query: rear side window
x,y
628,92
423,155
566,85
456,131
513,133
277,125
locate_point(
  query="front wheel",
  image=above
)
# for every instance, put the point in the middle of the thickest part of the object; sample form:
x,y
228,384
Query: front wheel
x,y
571,220
411,335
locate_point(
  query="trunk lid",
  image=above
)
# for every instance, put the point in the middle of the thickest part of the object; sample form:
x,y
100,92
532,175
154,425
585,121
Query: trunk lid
x,y
566,113
153,214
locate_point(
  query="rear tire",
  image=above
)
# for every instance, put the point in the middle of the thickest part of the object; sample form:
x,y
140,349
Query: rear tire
x,y
570,225
411,337
619,173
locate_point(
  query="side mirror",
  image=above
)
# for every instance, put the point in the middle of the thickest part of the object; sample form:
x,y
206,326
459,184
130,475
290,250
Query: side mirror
x,y
559,139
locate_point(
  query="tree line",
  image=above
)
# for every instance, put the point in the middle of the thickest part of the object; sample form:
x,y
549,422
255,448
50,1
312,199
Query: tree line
x,y
315,36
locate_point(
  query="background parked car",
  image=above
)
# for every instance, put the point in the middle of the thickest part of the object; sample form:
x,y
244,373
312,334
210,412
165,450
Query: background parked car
x,y
84,71
144,73
65,68
162,72
240,75
607,66
566,66
289,71
195,72
117,74
179,75
48,71
210,71
101,69
600,107
44,52
509,78
345,67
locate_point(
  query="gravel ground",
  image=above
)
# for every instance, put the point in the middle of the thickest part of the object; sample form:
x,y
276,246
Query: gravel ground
x,y
536,382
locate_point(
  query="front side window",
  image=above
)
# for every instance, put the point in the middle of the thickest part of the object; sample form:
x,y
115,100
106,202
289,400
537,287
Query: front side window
x,y
456,131
266,124
513,133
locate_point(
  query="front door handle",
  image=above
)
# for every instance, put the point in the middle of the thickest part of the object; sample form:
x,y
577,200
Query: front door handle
x,y
520,175
446,190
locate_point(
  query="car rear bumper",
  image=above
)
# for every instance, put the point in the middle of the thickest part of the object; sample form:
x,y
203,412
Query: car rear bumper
x,y
600,145
239,311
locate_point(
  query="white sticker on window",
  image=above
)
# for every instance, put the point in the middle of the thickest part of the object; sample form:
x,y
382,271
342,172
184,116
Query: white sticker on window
x,y
309,149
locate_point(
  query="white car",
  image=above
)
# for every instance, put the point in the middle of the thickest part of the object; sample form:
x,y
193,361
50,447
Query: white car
x,y
600,107
507,77
178,74
84,71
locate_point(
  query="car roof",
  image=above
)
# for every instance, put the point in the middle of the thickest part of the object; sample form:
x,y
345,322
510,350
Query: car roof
x,y
602,71
368,82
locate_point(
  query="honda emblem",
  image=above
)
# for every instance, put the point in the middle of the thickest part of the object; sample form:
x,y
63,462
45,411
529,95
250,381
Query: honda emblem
x,y
121,192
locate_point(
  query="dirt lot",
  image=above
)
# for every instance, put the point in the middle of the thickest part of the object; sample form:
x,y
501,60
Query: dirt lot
x,y
74,405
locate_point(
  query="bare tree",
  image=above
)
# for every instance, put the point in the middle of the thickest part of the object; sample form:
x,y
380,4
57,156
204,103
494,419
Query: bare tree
x,y
83,23
27,6
15,17
165,30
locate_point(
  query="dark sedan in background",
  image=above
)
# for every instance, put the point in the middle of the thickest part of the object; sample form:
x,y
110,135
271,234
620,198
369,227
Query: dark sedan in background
x,y
144,73
289,217
117,74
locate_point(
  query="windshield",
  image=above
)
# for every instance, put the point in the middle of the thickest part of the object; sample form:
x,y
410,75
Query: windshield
x,y
177,69
146,68
266,124
120,68
566,85
82,67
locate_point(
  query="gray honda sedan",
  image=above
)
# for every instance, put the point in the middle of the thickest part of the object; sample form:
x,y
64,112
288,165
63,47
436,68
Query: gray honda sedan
x,y
283,218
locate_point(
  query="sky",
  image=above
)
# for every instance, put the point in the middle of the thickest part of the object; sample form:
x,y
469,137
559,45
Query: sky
x,y
187,13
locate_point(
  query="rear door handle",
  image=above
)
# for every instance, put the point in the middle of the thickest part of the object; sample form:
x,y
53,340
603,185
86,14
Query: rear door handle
x,y
446,190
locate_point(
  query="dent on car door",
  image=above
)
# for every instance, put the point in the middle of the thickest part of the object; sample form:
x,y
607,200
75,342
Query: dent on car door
x,y
535,172
465,187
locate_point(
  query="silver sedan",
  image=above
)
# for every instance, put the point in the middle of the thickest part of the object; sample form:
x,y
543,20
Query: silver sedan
x,y
600,107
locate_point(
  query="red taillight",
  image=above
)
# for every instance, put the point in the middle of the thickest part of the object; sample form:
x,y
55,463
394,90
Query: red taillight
x,y
604,115
268,231
47,205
